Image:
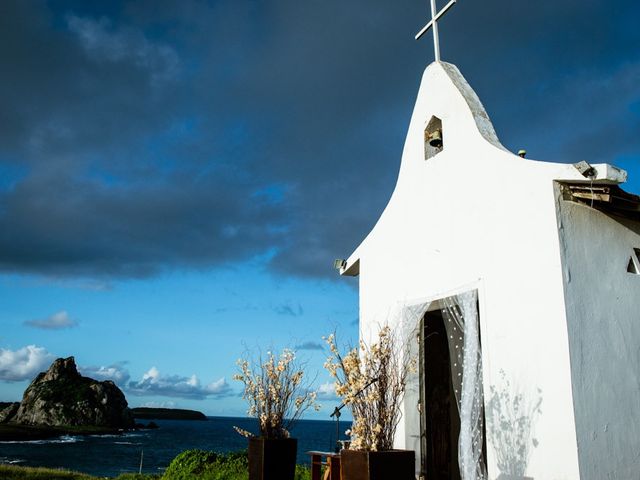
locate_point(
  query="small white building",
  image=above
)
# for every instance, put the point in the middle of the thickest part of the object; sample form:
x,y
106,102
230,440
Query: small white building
x,y
517,284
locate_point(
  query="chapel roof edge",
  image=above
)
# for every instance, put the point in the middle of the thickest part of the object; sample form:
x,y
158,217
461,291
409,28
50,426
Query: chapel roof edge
x,y
480,116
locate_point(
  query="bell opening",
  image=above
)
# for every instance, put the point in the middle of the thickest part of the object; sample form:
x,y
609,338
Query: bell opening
x,y
433,140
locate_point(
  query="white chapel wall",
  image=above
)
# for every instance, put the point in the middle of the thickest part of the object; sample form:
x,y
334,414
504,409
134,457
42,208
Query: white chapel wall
x,y
603,314
477,215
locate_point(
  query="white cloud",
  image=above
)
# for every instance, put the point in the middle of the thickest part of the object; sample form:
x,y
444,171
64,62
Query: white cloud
x,y
327,391
57,321
154,383
167,404
116,373
23,364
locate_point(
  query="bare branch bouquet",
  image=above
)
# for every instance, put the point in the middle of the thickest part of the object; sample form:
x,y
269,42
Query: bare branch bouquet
x,y
275,392
371,382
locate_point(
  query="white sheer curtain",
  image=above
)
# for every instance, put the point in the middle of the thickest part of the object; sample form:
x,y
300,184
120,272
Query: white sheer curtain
x,y
411,323
460,313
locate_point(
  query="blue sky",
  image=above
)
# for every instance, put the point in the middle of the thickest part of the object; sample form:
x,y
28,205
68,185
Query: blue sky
x,y
181,324
176,178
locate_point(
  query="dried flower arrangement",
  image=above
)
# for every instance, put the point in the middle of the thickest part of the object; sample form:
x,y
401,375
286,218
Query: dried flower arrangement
x,y
275,392
371,382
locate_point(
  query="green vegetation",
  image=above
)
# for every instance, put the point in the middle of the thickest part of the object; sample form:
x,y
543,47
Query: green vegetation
x,y
67,391
303,473
203,465
10,472
189,465
194,463
138,476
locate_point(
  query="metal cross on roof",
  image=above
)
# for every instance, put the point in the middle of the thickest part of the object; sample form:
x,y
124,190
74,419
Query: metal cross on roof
x,y
435,16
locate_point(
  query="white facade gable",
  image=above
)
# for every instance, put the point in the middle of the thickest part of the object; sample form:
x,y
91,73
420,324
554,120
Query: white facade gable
x,y
559,312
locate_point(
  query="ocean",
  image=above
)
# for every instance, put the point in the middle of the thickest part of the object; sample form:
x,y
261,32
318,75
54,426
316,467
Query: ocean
x,y
111,455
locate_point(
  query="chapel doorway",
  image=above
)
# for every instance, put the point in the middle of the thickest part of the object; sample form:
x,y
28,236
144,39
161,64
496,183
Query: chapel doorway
x,y
440,422
452,423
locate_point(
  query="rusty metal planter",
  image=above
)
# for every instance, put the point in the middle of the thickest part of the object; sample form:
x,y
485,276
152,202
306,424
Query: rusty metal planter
x,y
386,465
272,459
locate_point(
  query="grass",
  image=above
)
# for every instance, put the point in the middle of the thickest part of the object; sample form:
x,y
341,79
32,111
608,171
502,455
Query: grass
x,y
13,472
223,467
204,465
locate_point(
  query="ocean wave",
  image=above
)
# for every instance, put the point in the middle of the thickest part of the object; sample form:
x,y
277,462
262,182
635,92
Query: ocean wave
x,y
127,443
62,439
11,461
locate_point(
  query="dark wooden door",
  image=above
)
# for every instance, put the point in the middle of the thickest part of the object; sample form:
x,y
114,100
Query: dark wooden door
x,y
439,417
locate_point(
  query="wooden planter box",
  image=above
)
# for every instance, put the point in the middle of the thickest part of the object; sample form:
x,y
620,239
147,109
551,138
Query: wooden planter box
x,y
271,459
387,465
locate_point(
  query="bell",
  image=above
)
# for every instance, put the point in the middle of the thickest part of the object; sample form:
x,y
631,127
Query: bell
x,y
435,139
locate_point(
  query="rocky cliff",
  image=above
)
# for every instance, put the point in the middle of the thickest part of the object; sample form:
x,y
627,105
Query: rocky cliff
x,y
8,410
62,397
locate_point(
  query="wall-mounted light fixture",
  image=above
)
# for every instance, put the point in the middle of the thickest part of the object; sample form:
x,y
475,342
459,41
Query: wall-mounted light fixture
x,y
585,169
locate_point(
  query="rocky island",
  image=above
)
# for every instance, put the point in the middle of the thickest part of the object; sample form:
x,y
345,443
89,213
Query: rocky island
x,y
167,414
61,401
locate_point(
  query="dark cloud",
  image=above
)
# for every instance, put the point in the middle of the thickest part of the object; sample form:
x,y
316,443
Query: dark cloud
x,y
140,136
309,346
133,230
289,309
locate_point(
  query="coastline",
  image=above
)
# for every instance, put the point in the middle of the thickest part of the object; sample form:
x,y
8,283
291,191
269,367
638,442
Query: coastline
x,y
25,433
148,413
104,455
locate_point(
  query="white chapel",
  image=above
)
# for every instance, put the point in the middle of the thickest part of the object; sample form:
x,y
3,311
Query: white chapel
x,y
516,282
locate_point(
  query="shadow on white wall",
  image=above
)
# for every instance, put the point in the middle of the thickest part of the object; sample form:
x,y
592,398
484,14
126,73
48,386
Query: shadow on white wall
x,y
511,417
